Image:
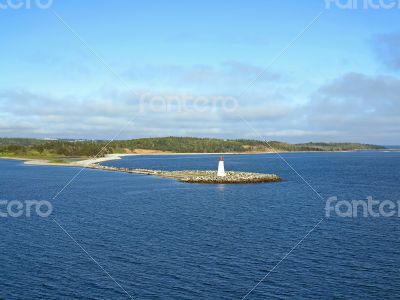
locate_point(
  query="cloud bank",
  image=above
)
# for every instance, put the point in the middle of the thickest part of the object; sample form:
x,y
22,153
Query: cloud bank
x,y
352,107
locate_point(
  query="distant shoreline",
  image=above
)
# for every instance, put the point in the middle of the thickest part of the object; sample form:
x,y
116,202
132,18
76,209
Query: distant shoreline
x,y
117,156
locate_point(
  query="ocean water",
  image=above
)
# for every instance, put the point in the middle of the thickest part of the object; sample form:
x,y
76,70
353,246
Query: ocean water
x,y
161,239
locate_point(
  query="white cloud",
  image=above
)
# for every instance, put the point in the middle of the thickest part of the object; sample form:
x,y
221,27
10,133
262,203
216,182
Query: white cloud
x,y
353,107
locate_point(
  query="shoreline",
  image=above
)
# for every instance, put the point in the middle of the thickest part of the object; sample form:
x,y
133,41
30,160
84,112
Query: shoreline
x,y
117,156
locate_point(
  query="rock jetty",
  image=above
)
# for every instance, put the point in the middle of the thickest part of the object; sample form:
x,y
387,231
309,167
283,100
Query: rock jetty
x,y
194,176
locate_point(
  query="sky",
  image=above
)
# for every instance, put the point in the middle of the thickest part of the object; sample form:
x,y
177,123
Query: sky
x,y
295,71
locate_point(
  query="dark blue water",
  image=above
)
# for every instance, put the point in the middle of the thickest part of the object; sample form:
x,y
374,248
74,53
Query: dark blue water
x,y
161,239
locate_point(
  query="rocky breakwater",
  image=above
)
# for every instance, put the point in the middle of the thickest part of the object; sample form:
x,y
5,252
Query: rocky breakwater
x,y
210,177
194,176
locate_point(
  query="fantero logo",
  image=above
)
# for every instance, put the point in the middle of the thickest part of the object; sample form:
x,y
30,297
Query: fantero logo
x,y
25,4
363,4
187,103
27,208
361,208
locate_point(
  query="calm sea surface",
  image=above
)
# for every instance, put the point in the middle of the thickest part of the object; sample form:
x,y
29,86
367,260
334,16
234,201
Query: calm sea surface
x,y
161,239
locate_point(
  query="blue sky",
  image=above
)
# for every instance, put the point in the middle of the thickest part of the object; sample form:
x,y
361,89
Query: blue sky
x,y
83,69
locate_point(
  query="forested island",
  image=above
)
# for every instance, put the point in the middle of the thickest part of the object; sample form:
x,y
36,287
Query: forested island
x,y
60,149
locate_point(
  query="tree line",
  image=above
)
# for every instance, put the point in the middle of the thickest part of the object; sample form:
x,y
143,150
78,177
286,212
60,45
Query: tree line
x,y
171,144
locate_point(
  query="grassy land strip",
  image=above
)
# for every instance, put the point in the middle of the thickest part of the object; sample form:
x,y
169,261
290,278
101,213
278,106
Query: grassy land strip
x,y
66,150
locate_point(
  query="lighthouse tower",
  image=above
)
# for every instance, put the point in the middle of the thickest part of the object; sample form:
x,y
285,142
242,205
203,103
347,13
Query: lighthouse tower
x,y
221,168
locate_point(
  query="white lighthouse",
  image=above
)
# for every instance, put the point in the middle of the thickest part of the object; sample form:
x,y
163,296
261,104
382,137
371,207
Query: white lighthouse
x,y
221,167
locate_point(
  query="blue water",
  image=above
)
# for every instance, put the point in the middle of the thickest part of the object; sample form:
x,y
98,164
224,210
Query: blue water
x,y
161,239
